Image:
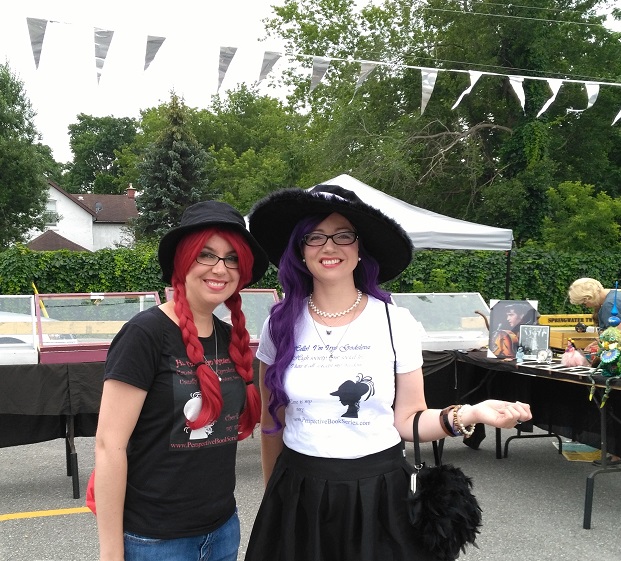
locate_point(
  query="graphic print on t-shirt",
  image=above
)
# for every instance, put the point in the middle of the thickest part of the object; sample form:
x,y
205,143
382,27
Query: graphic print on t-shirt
x,y
350,393
188,401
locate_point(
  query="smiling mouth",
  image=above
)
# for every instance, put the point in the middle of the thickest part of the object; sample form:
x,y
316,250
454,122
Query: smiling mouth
x,y
215,284
330,261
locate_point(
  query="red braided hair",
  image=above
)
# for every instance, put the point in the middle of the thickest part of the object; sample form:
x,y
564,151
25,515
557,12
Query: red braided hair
x,y
239,348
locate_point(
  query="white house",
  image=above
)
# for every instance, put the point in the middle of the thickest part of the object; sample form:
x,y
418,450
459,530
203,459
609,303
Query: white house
x,y
85,221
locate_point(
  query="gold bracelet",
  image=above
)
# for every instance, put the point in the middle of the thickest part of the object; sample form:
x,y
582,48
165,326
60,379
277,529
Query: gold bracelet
x,y
466,431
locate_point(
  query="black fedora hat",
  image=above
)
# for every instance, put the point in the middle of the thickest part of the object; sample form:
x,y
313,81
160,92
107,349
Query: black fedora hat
x,y
204,215
273,218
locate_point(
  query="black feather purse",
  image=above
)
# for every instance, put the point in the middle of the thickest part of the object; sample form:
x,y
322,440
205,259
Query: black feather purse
x,y
441,506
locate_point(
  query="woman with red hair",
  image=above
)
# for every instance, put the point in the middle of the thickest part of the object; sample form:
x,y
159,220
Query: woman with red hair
x,y
178,395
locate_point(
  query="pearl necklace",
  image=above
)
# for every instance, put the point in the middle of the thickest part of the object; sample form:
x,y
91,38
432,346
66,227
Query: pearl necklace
x,y
321,313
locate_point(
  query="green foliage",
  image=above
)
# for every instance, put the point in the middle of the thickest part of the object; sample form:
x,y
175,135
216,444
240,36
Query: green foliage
x,y
94,142
487,160
535,274
173,175
106,270
580,220
23,190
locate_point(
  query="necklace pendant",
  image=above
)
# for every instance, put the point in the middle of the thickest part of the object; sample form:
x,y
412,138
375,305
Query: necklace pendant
x,y
328,332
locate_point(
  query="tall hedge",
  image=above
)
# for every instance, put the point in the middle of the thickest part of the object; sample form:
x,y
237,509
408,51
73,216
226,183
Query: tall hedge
x,y
534,274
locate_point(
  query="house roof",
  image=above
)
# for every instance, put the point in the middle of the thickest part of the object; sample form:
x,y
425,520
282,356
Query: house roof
x,y
51,241
113,209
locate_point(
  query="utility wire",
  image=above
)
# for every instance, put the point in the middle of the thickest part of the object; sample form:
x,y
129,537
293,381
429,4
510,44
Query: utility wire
x,y
514,17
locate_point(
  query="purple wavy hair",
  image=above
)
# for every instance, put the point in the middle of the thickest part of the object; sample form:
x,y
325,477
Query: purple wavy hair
x,y
297,284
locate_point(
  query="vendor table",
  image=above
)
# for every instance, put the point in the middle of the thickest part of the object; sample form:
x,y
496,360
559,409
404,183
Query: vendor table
x,y
559,400
40,402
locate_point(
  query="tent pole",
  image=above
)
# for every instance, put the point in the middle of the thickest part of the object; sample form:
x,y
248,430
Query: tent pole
x,y
508,275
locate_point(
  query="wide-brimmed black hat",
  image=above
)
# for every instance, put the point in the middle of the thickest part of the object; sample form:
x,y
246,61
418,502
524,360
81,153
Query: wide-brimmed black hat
x,y
204,215
273,219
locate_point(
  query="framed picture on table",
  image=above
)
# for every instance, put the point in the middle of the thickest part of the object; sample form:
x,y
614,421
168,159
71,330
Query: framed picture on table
x,y
533,339
506,317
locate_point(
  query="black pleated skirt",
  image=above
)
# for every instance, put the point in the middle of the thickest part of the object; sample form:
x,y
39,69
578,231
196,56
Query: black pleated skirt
x,y
322,509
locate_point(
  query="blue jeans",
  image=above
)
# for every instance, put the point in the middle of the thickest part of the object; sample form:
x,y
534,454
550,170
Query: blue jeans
x,y
221,545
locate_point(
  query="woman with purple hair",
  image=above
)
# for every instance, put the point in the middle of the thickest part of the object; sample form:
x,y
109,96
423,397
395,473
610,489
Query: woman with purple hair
x,y
341,380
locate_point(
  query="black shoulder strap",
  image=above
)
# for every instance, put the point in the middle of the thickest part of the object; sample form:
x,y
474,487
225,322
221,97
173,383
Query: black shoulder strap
x,y
437,447
391,341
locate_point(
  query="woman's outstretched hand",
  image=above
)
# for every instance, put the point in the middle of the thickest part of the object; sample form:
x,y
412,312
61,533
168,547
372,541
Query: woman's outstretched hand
x,y
497,413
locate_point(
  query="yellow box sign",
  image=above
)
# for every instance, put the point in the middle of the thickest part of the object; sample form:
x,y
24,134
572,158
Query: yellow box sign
x,y
565,320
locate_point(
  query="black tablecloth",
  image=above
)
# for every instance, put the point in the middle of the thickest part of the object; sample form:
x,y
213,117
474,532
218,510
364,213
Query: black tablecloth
x,y
36,399
559,402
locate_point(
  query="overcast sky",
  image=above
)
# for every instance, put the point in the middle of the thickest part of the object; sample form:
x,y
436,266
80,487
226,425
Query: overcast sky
x,y
65,83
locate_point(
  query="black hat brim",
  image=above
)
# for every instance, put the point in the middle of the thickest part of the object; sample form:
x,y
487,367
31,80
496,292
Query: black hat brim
x,y
272,220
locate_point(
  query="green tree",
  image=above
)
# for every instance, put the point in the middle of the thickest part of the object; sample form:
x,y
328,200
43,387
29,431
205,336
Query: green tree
x,y
173,175
257,143
23,189
582,220
487,159
95,142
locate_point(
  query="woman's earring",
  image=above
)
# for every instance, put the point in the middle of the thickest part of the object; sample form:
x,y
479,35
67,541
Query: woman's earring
x,y
359,258
303,260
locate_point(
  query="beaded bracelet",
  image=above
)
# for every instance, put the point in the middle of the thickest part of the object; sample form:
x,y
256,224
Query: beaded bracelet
x,y
466,431
445,423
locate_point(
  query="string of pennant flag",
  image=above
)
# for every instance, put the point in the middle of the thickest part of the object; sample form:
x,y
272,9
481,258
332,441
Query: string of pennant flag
x,y
321,64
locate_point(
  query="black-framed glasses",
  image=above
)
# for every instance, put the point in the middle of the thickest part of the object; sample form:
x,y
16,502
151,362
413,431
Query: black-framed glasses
x,y
211,259
315,239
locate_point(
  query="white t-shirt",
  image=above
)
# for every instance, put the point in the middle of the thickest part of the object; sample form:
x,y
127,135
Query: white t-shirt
x,y
341,382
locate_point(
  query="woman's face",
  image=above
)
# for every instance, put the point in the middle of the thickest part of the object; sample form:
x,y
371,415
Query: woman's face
x,y
331,261
210,285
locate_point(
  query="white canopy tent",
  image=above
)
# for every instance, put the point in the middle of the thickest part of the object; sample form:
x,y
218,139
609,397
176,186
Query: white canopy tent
x,y
429,230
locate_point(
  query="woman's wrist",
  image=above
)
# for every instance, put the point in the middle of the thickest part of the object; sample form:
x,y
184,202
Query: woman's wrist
x,y
468,415
460,422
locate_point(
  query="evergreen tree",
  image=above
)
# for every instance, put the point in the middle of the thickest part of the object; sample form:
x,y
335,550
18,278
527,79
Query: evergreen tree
x,y
23,189
173,175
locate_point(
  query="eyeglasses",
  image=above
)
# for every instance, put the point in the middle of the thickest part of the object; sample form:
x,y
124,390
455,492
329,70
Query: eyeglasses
x,y
211,259
315,239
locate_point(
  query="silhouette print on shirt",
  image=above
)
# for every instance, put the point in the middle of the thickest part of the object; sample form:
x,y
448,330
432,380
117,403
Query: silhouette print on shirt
x,y
350,393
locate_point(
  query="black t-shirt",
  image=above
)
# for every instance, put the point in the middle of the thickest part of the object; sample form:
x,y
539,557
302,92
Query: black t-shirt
x,y
180,482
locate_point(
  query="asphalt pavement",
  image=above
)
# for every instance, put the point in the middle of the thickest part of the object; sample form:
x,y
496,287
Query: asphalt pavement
x,y
532,501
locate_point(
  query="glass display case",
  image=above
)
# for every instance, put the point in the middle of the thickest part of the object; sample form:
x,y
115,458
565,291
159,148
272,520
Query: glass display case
x,y
18,332
80,327
452,320
256,304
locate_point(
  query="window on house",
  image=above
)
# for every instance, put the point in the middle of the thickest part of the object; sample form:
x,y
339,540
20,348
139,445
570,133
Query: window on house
x,y
51,216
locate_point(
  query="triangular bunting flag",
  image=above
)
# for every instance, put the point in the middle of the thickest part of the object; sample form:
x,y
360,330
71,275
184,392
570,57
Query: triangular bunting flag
x,y
518,87
103,38
269,60
320,67
226,56
592,91
474,78
366,68
617,118
429,76
555,85
153,45
36,29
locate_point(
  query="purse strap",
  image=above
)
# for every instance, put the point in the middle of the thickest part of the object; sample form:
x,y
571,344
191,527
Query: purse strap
x,y
438,446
